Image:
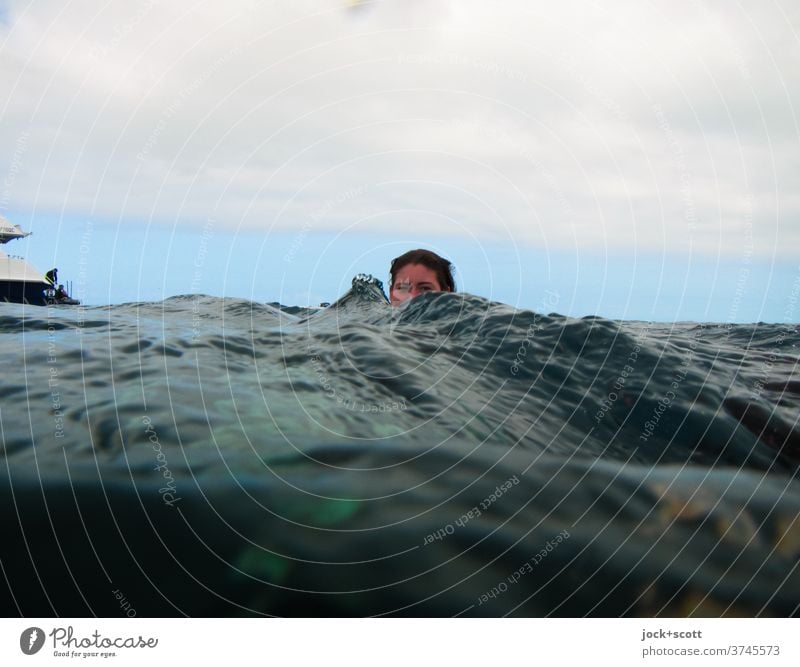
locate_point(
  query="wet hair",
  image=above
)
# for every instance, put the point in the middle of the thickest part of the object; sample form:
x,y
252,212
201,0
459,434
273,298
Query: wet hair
x,y
439,265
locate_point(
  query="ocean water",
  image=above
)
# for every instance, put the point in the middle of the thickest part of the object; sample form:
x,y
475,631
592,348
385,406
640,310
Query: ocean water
x,y
455,456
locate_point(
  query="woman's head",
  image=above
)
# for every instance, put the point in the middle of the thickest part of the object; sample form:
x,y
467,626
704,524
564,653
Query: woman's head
x,y
419,271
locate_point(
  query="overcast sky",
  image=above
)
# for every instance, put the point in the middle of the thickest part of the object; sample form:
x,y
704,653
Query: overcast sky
x,y
626,126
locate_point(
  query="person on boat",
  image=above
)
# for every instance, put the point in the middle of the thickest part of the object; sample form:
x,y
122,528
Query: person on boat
x,y
61,293
419,271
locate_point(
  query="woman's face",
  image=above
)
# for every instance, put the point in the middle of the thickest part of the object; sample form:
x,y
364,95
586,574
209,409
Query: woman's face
x,y
413,280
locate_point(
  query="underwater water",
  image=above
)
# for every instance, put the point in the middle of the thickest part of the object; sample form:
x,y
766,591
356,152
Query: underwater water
x,y
455,456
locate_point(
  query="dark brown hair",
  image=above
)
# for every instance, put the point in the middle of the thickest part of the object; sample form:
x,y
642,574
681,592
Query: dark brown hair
x,y
439,265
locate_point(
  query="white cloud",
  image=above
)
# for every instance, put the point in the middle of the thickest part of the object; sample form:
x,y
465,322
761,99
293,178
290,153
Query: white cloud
x,y
615,124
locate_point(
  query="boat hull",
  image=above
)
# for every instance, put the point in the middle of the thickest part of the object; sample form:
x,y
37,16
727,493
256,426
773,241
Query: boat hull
x,y
23,291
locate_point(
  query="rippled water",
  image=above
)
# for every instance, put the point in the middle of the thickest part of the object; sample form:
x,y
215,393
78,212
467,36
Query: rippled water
x,y
454,456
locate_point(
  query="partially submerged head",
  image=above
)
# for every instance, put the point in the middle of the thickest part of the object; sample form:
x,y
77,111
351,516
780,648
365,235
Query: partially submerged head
x,y
419,271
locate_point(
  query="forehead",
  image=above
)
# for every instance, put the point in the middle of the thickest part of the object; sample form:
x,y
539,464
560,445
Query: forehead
x,y
416,273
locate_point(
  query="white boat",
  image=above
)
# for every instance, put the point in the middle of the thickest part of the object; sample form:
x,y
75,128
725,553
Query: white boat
x,y
22,283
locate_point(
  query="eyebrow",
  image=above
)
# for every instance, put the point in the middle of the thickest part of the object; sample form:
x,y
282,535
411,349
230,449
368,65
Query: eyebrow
x,y
424,283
